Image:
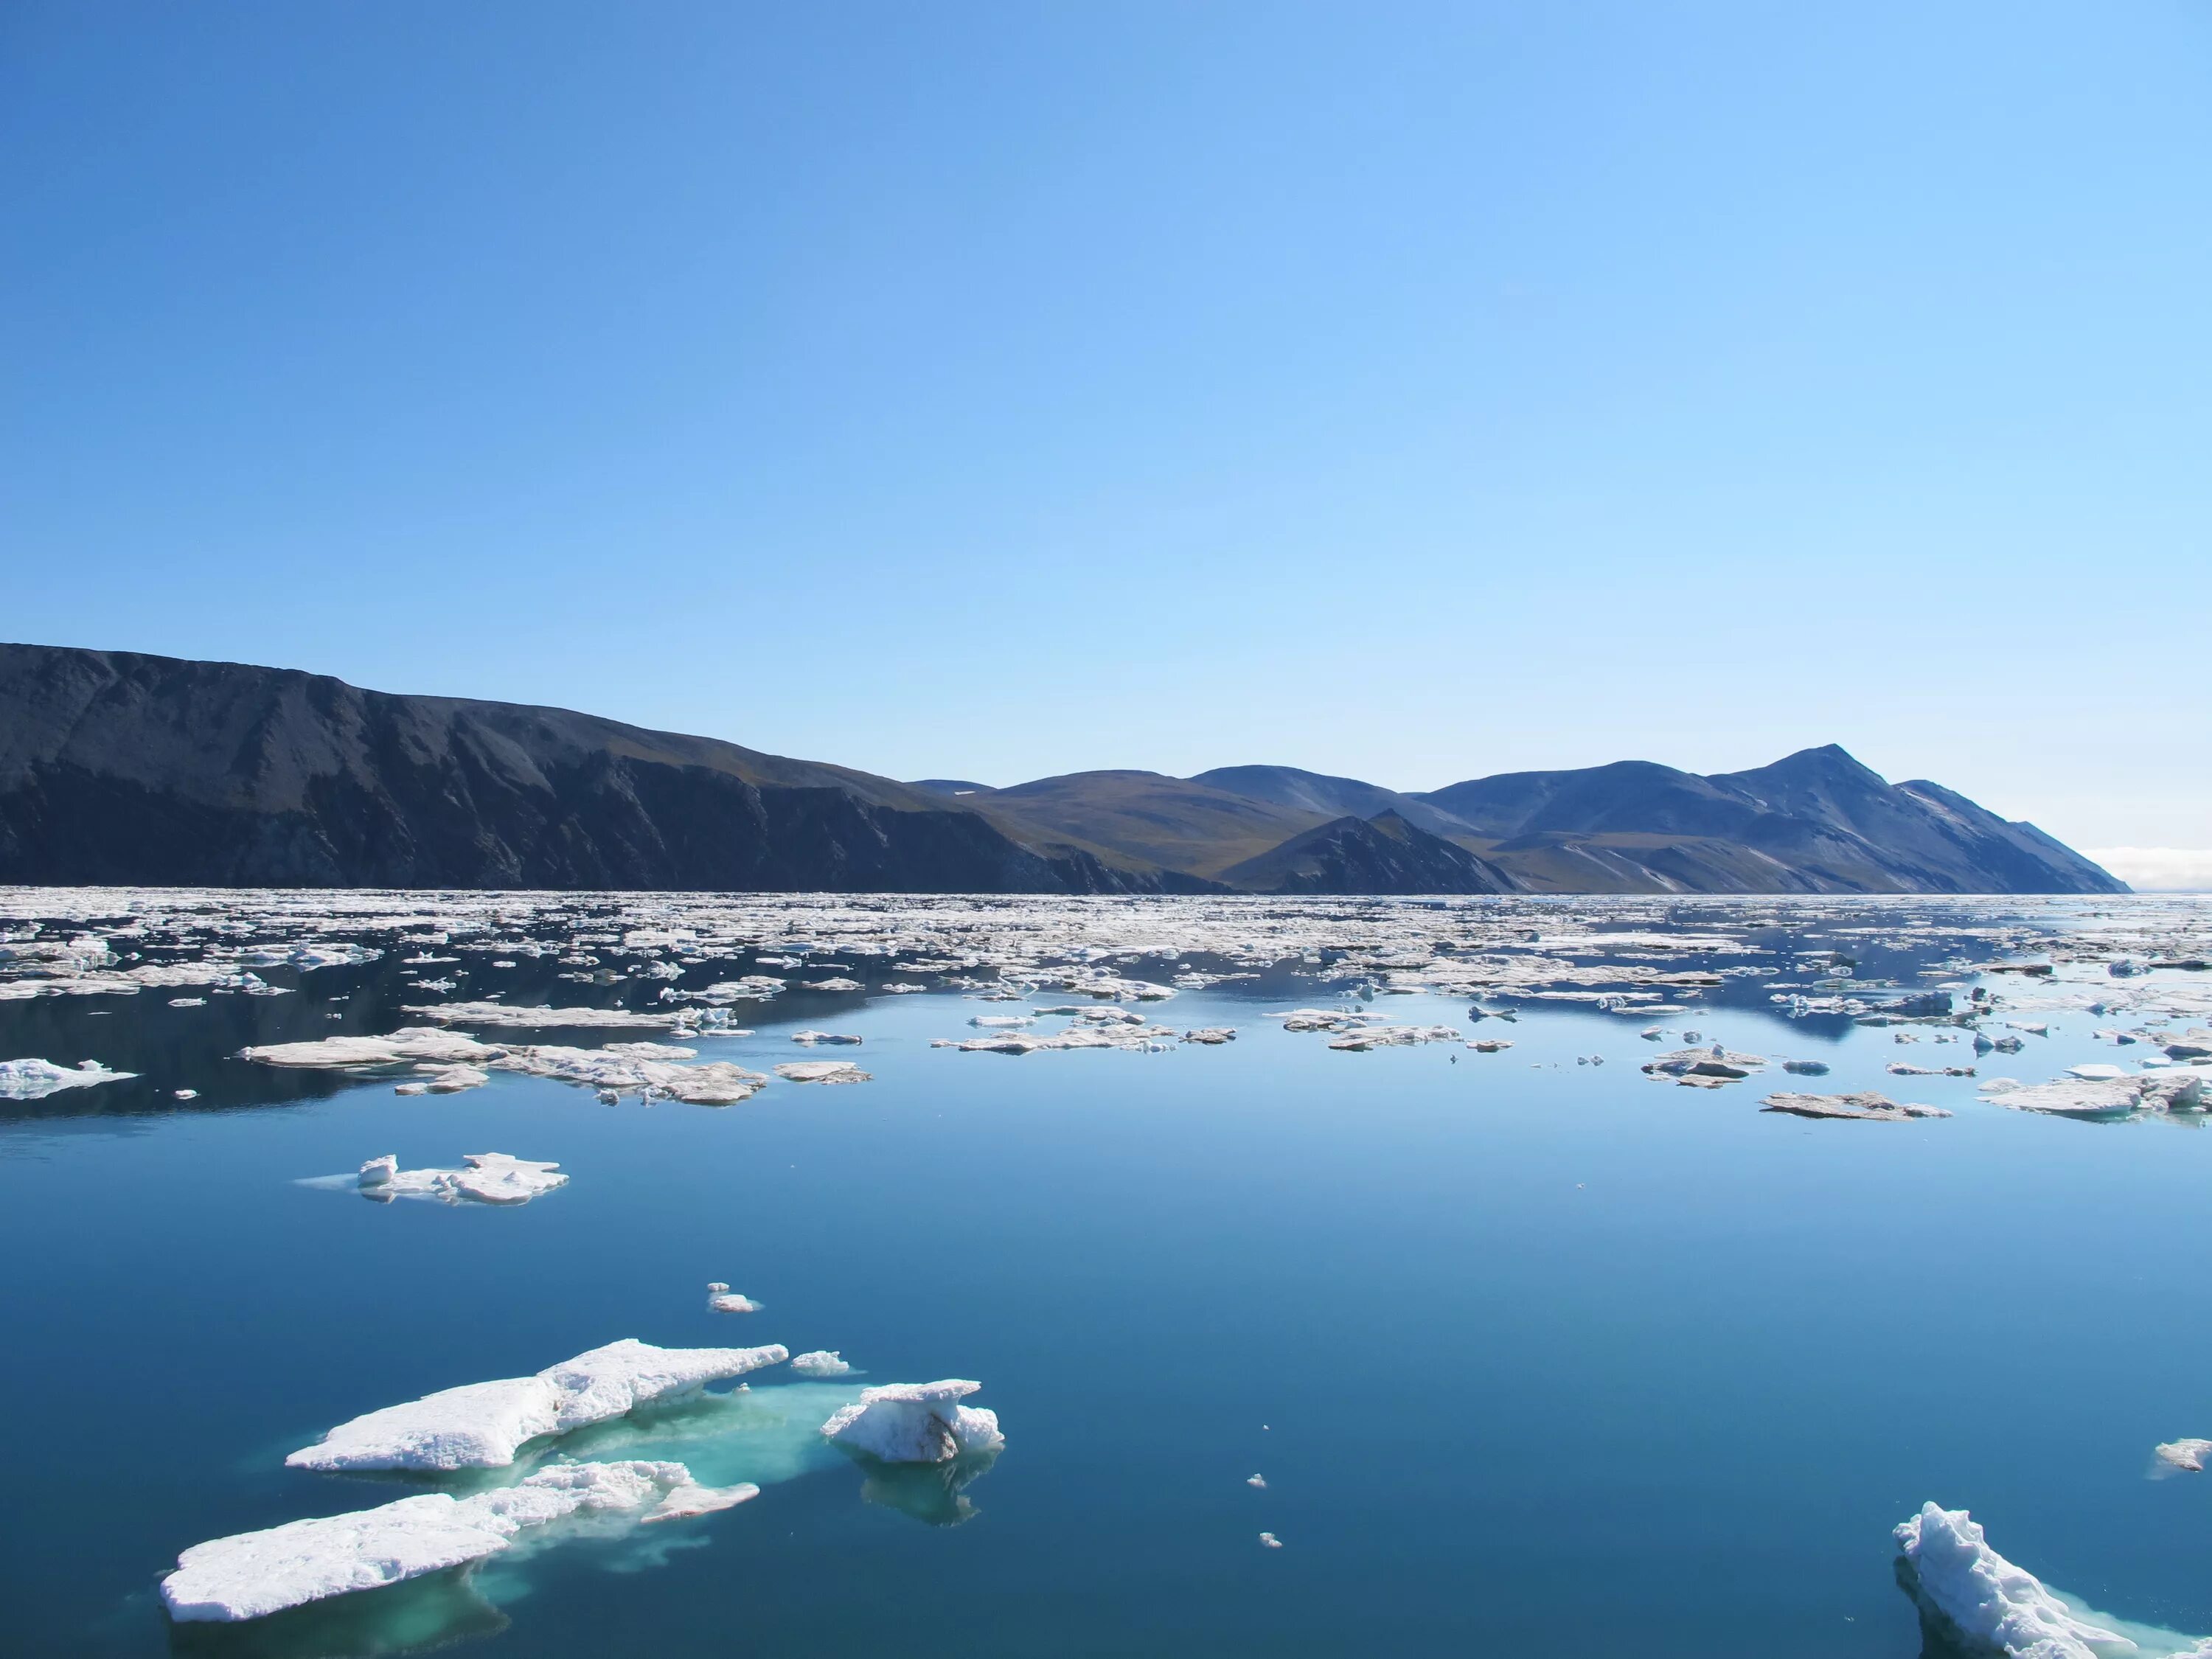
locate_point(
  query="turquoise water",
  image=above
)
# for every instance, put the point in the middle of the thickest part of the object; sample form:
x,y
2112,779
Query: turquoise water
x,y
1533,1357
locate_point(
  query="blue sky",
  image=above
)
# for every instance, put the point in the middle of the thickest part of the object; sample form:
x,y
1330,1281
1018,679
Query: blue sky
x,y
1406,391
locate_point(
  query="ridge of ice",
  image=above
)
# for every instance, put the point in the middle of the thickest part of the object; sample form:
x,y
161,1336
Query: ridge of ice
x,y
481,1425
1992,1602
916,1422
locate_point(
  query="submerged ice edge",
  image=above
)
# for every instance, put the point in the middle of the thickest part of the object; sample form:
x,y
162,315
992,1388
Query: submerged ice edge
x,y
1976,1596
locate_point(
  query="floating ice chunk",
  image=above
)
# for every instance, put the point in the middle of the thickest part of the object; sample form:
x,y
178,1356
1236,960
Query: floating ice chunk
x,y
1212,1035
2184,1453
1257,1480
486,1178
1716,1062
822,1071
1990,1601
1392,1036
1865,1104
2098,1073
34,1079
480,1425
1490,1045
254,1574
832,984
445,1080
1003,1022
2071,1096
915,1423
423,1044
1899,1069
1806,1068
823,1362
721,1298
543,1018
1268,1540
716,1083
810,1038
188,1002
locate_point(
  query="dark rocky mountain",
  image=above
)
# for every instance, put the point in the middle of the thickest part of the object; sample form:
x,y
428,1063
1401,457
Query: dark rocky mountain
x,y
1177,823
1313,792
1382,854
1816,821
117,768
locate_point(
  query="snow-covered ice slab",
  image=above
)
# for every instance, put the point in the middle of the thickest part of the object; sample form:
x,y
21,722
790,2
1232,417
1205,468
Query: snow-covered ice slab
x,y
480,1425
916,1422
254,1574
821,1362
34,1079
488,1178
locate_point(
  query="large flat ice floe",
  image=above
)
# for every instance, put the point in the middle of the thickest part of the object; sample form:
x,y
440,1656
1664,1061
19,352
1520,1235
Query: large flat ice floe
x,y
1864,1105
481,1425
1998,1608
34,1079
254,1574
916,1422
486,1178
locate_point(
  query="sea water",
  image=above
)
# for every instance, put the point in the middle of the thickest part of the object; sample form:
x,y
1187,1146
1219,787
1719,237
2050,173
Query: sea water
x,y
1533,1356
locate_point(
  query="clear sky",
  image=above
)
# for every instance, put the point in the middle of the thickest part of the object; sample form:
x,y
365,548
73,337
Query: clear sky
x,y
1409,391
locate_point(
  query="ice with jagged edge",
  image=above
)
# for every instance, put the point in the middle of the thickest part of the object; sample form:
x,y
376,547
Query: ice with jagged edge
x,y
915,1423
1997,1607
254,1574
481,1425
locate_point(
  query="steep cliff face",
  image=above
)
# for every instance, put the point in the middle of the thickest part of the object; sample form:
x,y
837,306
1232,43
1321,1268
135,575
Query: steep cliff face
x,y
121,768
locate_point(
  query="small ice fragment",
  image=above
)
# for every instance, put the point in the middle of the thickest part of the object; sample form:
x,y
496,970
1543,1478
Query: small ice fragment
x,y
1268,1540
1258,1480
822,1071
2184,1453
187,1094
1806,1068
823,1362
729,1301
716,1288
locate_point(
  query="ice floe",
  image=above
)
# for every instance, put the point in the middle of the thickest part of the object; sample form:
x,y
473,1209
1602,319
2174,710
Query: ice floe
x,y
822,1071
1864,1105
34,1079
484,1178
915,1423
252,1575
821,1362
481,1425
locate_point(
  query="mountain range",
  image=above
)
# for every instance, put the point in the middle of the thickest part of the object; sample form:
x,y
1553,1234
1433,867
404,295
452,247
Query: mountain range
x,y
119,767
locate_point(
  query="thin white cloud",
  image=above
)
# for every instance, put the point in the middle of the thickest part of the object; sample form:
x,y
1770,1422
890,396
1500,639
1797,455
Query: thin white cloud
x,y
2160,869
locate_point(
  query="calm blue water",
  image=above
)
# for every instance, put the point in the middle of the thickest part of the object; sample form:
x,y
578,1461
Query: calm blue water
x,y
1535,1358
